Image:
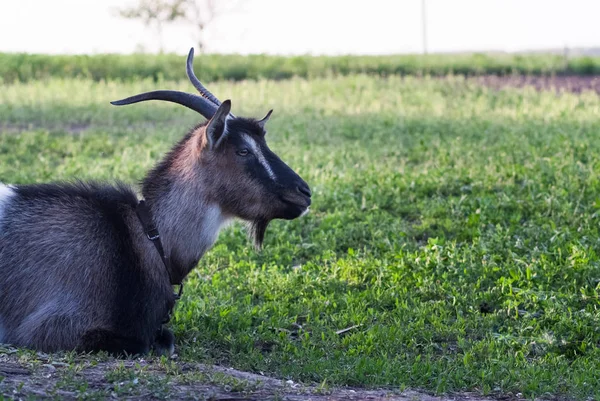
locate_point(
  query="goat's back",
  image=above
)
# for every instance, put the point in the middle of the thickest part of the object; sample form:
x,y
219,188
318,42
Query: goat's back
x,y
67,262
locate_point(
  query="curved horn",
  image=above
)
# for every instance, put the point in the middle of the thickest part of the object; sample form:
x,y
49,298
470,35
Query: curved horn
x,y
196,82
194,102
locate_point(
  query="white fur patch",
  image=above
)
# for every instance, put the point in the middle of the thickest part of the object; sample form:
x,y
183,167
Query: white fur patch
x,y
212,223
6,192
305,212
261,158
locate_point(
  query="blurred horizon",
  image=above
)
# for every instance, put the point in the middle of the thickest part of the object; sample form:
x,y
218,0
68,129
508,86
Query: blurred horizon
x,y
310,27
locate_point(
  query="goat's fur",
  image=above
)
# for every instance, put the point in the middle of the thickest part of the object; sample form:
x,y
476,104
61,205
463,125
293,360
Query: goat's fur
x,y
77,271
75,267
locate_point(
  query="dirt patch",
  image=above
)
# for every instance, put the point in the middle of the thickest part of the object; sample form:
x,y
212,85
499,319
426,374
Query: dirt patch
x,y
574,83
46,378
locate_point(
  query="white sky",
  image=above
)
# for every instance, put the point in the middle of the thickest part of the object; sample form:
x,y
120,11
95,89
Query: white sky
x,y
309,26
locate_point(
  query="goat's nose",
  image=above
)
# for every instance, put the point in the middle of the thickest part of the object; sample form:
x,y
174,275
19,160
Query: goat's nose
x,y
304,189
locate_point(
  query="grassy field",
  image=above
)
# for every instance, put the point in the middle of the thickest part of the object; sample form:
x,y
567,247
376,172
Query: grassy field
x,y
455,228
16,67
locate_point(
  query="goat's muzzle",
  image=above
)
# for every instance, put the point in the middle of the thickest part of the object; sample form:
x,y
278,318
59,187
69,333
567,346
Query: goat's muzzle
x,y
297,200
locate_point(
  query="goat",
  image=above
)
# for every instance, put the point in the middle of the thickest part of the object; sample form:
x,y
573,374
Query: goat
x,y
87,266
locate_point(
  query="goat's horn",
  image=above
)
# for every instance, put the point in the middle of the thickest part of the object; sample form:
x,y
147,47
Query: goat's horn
x,y
194,102
196,82
263,122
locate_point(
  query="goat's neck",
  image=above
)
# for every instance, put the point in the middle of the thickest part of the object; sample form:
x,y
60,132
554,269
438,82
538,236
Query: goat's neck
x,y
188,224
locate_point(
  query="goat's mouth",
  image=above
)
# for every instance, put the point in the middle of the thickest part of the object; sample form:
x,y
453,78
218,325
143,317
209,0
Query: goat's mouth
x,y
296,199
295,206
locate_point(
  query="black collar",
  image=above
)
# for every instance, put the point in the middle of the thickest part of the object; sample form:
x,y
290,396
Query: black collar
x,y
143,213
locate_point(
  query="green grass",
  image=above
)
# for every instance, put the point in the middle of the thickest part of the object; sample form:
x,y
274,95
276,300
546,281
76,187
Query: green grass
x,y
30,67
457,225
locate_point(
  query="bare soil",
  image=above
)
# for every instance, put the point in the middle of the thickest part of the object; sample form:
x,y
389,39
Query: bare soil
x,y
154,380
560,83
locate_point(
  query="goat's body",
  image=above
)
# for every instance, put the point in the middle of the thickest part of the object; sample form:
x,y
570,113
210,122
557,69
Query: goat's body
x,y
76,271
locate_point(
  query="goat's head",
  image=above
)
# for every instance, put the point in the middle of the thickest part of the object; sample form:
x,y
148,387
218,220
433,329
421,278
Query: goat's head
x,y
229,158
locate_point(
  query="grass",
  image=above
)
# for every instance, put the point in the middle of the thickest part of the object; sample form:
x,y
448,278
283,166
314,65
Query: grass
x,y
456,226
20,67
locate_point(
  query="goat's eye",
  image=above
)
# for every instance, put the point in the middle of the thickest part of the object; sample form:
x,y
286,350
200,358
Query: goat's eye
x,y
243,152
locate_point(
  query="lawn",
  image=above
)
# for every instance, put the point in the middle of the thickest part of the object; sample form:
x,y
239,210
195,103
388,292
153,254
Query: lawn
x,y
454,228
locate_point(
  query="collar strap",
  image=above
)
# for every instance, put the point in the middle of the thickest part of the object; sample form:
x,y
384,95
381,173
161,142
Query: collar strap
x,y
145,217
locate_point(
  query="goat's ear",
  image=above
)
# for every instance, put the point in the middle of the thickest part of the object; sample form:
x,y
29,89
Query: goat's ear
x,y
263,122
216,127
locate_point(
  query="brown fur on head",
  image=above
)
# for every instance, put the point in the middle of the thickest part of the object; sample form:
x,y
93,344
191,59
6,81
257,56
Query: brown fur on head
x,y
230,160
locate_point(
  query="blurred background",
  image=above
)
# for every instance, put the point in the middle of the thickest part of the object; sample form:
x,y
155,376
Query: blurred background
x,y
299,27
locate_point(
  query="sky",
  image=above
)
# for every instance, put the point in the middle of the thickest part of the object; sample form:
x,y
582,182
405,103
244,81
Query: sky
x,y
308,27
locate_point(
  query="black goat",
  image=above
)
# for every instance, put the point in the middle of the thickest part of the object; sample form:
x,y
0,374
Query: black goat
x,y
89,267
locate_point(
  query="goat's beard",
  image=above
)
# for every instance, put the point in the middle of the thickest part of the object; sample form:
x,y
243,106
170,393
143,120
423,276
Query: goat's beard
x,y
256,231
